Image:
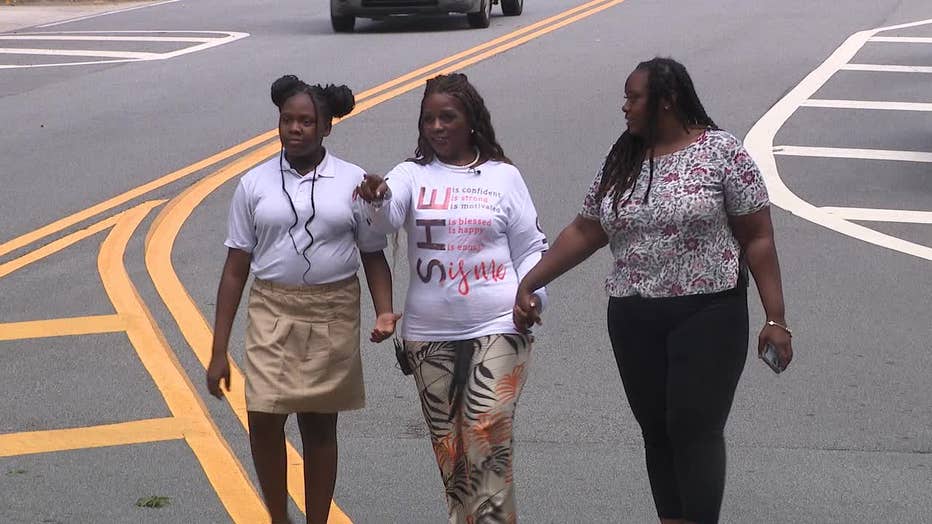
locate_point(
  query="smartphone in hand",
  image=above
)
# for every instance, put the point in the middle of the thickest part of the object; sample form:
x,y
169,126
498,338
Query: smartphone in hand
x,y
771,358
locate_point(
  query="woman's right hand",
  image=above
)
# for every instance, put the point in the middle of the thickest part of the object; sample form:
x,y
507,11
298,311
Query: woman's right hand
x,y
218,372
384,326
526,311
372,188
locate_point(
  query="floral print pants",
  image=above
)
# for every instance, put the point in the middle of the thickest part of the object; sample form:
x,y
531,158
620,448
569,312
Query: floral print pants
x,y
471,422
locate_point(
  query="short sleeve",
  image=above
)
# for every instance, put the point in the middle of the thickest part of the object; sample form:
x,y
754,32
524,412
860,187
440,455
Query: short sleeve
x,y
523,230
241,229
367,239
592,205
743,184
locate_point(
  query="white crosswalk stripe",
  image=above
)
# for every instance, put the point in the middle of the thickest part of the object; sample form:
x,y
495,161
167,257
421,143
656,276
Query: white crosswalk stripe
x,y
205,40
759,142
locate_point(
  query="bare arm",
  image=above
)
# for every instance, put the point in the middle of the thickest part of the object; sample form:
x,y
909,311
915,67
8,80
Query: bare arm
x,y
577,242
379,277
754,232
232,281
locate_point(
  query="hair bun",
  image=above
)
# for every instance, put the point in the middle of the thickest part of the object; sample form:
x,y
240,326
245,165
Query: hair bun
x,y
283,87
339,99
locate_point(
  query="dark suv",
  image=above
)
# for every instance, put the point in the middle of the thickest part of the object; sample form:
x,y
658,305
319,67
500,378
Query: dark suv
x,y
343,13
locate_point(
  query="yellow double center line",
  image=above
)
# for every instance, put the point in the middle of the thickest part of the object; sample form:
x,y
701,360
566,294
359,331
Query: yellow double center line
x,y
161,237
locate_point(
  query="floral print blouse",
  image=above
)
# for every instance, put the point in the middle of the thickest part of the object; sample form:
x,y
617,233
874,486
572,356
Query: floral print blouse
x,y
679,241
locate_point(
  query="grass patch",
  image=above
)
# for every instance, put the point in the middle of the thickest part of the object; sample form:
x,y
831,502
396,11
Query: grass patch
x,y
153,502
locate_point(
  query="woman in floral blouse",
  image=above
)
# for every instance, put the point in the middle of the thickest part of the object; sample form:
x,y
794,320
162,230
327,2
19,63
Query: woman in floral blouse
x,y
684,210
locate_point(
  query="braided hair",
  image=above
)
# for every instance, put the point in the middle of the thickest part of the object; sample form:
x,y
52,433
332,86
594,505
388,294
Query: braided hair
x,y
329,101
457,86
667,80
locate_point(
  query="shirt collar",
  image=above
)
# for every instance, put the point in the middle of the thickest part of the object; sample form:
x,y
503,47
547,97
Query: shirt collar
x,y
323,168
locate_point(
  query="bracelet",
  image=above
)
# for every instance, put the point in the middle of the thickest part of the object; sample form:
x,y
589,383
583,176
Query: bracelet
x,y
781,326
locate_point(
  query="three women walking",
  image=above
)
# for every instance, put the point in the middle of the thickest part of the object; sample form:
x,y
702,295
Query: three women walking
x,y
679,201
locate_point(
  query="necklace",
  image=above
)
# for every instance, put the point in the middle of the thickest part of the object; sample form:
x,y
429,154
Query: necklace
x,y
470,165
475,160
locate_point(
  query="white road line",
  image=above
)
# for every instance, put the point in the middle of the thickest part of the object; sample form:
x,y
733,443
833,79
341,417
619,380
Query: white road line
x,y
860,154
62,64
124,32
232,37
881,215
78,52
867,104
902,39
107,38
880,68
203,43
759,142
107,13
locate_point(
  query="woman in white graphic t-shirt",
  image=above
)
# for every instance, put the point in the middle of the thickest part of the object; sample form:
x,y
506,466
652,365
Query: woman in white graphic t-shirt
x,y
472,234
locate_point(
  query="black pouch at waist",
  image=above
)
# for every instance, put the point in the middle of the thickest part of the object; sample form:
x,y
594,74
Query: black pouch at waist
x,y
402,357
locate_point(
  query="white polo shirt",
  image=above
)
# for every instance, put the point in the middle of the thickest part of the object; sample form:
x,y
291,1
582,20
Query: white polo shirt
x,y
261,217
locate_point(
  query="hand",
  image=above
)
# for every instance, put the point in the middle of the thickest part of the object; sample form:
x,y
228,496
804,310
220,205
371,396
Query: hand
x,y
781,340
218,372
372,188
384,326
526,312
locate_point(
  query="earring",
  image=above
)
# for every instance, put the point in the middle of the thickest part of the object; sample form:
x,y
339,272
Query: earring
x,y
472,131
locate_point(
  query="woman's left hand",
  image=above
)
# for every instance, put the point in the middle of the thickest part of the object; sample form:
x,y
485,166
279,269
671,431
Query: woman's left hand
x,y
781,339
384,326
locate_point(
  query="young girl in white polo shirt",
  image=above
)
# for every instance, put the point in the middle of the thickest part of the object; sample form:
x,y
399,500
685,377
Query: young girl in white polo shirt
x,y
295,225
472,234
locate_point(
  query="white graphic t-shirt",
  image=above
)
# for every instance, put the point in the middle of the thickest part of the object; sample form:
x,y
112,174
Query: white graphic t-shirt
x,y
472,234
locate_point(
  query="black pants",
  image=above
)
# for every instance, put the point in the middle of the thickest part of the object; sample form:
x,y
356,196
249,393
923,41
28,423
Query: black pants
x,y
680,359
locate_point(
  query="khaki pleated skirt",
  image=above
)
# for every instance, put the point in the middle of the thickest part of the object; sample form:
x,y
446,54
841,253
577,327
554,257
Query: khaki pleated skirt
x,y
302,348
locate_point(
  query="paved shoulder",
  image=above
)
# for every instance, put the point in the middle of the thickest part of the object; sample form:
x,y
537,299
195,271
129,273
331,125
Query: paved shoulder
x,y
25,14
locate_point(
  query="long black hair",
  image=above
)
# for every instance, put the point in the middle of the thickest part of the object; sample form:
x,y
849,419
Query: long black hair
x,y
667,80
480,120
329,101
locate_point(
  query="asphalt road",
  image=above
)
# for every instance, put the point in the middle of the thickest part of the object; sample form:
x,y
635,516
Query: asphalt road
x,y
108,405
